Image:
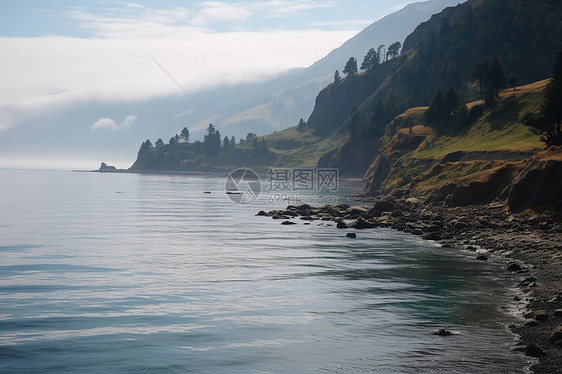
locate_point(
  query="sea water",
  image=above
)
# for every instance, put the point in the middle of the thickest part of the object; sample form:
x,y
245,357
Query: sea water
x,y
131,273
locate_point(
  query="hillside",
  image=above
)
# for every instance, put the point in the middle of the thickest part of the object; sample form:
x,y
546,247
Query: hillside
x,y
411,150
292,147
362,125
441,53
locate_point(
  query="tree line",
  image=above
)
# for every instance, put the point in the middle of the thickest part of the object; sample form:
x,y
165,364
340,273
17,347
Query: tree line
x,y
179,153
445,113
372,60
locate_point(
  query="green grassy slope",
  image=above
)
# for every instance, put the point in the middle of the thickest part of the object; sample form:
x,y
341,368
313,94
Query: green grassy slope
x,y
498,129
294,147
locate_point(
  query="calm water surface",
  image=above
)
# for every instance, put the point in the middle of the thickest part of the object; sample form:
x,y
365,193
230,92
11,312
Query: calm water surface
x,y
124,273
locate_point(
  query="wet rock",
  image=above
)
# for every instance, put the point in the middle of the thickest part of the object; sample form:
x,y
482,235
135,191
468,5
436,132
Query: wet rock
x,y
482,258
432,228
527,281
556,334
262,213
302,207
397,214
514,267
384,206
342,225
556,299
290,213
333,212
351,235
374,212
432,236
519,348
437,218
356,210
307,218
400,226
288,223
531,323
541,315
533,350
360,223
442,332
448,244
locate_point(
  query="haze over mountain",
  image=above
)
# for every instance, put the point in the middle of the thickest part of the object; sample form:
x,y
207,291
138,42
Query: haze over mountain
x,y
112,131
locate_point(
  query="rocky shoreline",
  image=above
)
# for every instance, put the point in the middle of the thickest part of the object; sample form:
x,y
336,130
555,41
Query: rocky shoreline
x,y
531,243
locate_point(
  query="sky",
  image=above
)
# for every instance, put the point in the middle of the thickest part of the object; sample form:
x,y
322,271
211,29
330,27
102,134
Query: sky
x,y
56,53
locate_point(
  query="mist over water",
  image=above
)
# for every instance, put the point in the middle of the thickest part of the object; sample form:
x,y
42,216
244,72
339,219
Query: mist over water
x,y
107,273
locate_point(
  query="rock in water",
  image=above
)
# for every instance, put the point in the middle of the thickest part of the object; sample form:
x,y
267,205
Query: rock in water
x,y
288,223
351,235
360,223
442,332
341,225
513,267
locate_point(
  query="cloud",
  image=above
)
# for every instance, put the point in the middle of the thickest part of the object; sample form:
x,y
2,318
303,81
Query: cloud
x,y
134,20
111,125
133,23
221,11
51,73
284,8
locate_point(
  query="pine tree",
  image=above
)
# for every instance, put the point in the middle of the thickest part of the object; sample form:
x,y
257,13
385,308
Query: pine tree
x,y
394,49
496,76
350,67
185,134
548,122
337,76
371,60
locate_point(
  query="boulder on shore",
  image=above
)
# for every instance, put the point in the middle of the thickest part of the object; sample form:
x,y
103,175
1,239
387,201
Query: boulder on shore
x,y
360,223
541,315
556,334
